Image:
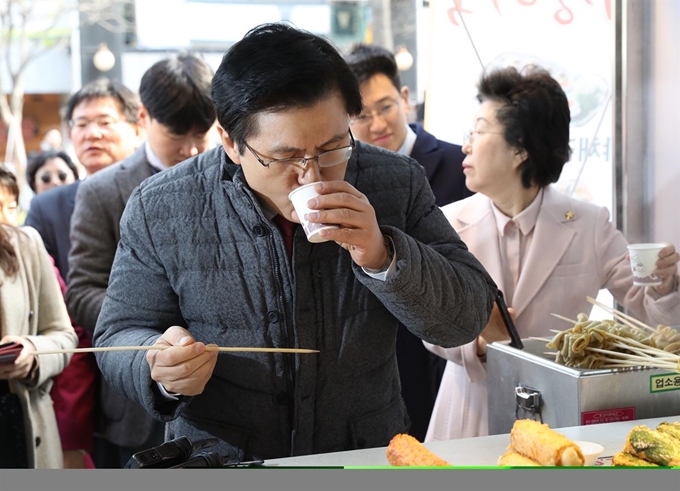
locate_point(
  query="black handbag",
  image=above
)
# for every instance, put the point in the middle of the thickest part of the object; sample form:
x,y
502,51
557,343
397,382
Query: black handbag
x,y
13,454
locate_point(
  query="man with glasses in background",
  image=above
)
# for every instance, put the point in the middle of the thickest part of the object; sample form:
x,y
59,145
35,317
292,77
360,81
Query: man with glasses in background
x,y
102,120
384,123
212,255
177,114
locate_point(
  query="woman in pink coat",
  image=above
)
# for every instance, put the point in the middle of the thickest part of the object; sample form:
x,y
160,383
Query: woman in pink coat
x,y
545,250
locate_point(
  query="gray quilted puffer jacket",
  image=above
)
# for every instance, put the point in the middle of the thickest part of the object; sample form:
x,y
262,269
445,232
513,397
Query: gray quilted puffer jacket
x,y
197,251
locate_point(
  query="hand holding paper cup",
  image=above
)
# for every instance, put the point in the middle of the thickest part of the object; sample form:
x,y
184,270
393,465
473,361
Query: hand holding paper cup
x,y
643,258
299,197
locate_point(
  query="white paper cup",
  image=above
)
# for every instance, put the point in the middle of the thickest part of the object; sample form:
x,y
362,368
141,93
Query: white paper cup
x,y
300,197
643,258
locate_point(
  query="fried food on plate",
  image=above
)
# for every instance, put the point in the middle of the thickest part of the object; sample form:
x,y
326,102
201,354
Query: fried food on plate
x,y
404,450
653,446
514,459
542,444
624,459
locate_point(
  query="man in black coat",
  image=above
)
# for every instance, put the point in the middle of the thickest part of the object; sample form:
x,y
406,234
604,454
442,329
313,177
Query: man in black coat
x,y
384,123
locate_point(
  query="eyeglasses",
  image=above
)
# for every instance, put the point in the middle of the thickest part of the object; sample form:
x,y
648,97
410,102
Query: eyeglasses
x,y
469,136
47,177
385,111
324,159
103,123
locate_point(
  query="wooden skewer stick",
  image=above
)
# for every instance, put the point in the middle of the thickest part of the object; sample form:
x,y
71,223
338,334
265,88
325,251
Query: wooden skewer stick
x,y
628,320
639,345
656,353
634,365
540,339
629,356
163,347
565,319
633,360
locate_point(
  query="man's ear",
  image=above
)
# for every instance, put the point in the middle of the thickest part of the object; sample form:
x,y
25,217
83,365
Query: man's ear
x,y
143,120
406,104
229,146
404,92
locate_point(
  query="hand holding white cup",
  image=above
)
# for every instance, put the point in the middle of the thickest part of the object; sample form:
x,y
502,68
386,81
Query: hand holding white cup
x,y
654,264
643,258
299,197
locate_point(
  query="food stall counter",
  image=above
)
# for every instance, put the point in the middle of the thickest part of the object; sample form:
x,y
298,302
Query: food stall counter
x,y
480,451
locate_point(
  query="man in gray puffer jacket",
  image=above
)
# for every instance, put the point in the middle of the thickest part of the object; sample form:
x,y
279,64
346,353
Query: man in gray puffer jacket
x,y
202,262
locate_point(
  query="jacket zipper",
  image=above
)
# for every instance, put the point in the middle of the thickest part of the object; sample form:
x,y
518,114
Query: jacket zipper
x,y
288,360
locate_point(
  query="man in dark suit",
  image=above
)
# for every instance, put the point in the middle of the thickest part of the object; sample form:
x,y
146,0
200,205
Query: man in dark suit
x,y
384,123
102,117
177,113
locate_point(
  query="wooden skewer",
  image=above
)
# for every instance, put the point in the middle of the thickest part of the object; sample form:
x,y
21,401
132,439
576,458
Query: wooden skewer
x,y
627,356
656,353
565,319
632,342
163,347
540,339
628,320
635,365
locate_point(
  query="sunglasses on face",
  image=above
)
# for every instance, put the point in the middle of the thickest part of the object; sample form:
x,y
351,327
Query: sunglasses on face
x,y
47,177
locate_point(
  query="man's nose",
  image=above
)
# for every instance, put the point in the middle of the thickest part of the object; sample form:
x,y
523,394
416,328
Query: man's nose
x,y
377,124
311,172
189,150
92,130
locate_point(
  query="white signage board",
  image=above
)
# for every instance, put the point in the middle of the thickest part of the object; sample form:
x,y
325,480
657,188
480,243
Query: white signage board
x,y
572,39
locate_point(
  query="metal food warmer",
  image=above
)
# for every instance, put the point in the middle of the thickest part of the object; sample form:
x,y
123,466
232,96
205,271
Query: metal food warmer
x,y
526,383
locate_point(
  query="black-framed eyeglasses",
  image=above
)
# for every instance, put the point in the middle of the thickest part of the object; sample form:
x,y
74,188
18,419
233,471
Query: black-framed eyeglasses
x,y
46,178
385,111
103,123
324,159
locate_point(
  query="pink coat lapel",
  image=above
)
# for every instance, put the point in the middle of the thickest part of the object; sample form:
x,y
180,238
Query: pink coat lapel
x,y
550,241
472,220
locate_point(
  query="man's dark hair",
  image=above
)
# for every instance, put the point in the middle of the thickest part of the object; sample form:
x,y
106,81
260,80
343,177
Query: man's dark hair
x,y
40,158
103,87
276,67
176,93
535,113
367,60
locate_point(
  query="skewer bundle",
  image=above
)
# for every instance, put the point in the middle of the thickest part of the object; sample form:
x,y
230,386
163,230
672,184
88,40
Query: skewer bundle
x,y
608,344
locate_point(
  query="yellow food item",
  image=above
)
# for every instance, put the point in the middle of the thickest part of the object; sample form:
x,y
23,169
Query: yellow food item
x,y
513,459
672,429
404,450
542,444
653,446
624,459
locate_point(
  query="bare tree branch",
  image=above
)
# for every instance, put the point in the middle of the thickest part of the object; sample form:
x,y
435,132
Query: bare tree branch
x,y
30,28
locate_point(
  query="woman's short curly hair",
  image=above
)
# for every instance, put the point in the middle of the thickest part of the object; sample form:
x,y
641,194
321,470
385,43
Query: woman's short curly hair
x,y
535,113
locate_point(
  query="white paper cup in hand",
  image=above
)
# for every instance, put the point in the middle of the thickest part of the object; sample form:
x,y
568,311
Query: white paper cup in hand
x,y
643,258
300,197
